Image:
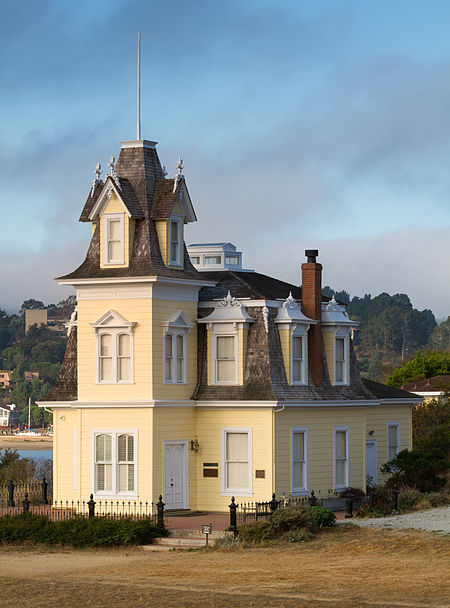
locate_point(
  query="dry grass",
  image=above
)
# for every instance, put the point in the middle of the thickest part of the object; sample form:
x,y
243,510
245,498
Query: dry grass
x,y
347,567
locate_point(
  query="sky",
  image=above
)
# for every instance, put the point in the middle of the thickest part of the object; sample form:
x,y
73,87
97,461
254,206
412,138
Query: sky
x,y
301,124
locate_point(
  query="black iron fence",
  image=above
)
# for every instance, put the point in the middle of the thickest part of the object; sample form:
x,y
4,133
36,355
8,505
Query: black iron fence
x,y
36,498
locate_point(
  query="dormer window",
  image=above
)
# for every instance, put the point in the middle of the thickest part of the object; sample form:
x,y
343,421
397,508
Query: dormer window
x,y
175,239
114,238
212,259
298,359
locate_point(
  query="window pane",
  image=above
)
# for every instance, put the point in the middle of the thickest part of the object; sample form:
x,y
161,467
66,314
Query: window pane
x,y
237,446
225,347
103,448
114,250
226,371
392,432
168,358
106,369
297,369
212,259
195,259
298,475
174,232
298,446
124,345
105,345
168,345
341,448
340,342
180,344
233,261
237,475
114,230
174,252
341,467
297,347
339,371
180,369
104,477
124,368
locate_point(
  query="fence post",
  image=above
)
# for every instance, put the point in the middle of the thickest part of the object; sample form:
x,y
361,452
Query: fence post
x,y
395,493
91,506
160,508
312,499
44,491
11,486
232,506
26,503
273,504
349,505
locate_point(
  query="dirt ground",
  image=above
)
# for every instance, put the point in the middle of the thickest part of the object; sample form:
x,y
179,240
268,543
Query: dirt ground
x,y
12,442
354,568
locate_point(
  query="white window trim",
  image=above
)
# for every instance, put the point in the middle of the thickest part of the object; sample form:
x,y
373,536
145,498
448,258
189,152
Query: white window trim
x,y
115,333
304,430
115,477
217,333
342,336
229,491
399,445
107,217
175,333
347,450
299,332
212,255
178,219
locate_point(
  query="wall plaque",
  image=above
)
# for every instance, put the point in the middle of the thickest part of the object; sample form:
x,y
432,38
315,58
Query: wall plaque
x,y
260,474
210,472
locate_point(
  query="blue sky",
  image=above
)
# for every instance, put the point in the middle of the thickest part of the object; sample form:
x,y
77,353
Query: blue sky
x,y
301,124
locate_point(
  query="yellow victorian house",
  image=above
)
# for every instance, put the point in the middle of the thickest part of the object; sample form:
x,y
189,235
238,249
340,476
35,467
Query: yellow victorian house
x,y
189,376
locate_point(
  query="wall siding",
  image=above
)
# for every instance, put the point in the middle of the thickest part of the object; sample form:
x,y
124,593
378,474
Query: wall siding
x,y
320,426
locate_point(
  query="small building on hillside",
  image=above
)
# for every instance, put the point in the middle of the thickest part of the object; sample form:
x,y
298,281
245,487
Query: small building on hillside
x,y
54,319
6,379
197,379
430,388
8,417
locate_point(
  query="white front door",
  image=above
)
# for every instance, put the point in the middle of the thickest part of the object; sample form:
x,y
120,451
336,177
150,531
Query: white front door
x,y
175,474
371,462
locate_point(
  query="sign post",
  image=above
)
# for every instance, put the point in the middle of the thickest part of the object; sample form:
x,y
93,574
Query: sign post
x,y
207,529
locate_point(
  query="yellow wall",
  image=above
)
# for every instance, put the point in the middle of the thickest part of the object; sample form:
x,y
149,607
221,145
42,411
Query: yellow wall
x,y
285,339
377,419
87,421
138,310
162,310
161,229
115,206
320,424
209,433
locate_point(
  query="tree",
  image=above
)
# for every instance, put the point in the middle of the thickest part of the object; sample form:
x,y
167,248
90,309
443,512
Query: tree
x,y
440,336
33,304
423,365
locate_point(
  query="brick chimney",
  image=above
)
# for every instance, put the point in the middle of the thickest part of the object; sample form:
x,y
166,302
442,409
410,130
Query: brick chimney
x,y
312,308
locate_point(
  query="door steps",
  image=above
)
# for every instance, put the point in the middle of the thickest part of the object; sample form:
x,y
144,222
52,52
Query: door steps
x,y
183,539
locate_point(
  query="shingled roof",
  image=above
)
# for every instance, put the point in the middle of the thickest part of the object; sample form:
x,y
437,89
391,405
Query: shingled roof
x,y
139,170
251,285
164,198
66,388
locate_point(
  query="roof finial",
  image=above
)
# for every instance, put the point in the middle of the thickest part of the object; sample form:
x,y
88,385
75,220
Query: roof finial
x,y
138,128
112,170
164,170
96,180
179,176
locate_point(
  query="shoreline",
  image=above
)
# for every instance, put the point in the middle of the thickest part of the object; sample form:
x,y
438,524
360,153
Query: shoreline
x,y
11,442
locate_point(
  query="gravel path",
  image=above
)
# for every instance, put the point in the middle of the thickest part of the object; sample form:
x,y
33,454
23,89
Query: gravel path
x,y
432,520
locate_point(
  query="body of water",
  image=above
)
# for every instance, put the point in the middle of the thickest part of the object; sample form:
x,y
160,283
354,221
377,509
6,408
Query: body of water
x,y
36,454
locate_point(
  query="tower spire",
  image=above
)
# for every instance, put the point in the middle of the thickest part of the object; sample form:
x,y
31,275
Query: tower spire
x,y
138,127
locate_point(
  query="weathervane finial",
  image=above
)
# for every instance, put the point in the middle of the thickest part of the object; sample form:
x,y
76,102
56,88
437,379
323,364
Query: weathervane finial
x,y
96,180
179,176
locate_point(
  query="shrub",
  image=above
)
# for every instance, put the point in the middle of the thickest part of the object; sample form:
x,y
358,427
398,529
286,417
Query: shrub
x,y
323,517
408,498
420,468
286,522
439,499
78,531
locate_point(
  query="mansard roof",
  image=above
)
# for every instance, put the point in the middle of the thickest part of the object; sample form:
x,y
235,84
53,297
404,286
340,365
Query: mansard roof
x,y
164,199
66,387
